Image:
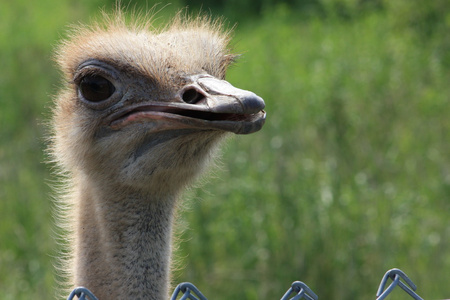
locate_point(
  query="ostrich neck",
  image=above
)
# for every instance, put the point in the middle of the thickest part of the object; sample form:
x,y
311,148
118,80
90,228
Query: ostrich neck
x,y
123,243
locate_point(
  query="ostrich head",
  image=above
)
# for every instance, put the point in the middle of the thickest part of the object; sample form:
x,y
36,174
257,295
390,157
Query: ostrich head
x,y
144,109
138,119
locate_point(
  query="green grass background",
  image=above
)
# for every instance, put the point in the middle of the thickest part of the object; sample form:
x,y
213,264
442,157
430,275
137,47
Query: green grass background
x,y
349,177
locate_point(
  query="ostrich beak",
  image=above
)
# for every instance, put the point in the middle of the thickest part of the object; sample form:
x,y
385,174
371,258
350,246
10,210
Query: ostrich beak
x,y
222,97
237,110
205,103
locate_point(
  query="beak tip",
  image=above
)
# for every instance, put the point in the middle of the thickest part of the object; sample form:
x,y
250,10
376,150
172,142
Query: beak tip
x,y
253,103
255,125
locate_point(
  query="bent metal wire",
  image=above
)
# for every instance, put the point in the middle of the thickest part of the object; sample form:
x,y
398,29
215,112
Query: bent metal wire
x,y
396,275
297,291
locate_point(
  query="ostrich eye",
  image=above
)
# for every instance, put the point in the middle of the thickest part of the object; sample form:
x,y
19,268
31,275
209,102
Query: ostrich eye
x,y
96,88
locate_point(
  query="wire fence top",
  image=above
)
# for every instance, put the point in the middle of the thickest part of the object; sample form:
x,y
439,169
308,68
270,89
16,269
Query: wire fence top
x,y
297,291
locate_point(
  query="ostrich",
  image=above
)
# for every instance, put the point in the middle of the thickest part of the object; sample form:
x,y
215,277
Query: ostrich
x,y
138,119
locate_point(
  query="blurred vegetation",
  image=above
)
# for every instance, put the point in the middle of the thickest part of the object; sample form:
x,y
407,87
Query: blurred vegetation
x,y
349,177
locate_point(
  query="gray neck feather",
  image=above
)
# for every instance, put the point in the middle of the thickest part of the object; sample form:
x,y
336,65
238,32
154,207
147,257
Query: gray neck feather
x,y
123,244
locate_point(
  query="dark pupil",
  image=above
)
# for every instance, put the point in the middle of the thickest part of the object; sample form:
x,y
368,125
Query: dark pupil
x,y
96,88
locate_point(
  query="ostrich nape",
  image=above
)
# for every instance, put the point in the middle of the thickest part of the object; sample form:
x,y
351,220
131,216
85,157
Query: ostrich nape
x,y
138,120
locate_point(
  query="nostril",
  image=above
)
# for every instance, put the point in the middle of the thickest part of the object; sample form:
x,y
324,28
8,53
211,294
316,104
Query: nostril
x,y
192,96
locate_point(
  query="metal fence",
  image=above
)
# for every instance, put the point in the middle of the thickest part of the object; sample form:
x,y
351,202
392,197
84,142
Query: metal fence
x,y
297,291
